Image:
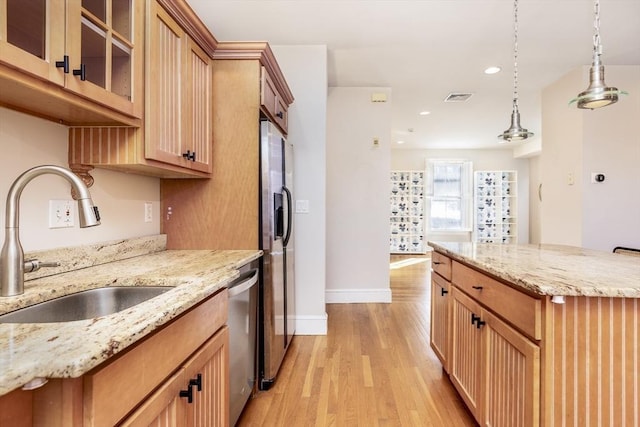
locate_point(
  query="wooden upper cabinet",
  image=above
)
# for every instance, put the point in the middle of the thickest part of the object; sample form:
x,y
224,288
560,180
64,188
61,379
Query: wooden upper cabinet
x,y
275,95
179,106
90,50
177,136
272,102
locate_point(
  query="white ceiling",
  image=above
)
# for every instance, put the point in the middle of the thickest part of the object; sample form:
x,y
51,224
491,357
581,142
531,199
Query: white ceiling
x,y
423,50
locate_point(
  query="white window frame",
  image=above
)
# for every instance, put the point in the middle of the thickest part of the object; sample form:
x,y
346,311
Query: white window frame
x,y
465,197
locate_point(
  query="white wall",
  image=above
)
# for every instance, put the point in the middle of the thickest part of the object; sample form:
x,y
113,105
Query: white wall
x,y
561,206
357,195
26,142
611,210
579,142
305,68
499,159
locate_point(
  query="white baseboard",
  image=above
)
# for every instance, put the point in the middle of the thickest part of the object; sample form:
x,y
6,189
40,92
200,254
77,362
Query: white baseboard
x,y
311,325
347,296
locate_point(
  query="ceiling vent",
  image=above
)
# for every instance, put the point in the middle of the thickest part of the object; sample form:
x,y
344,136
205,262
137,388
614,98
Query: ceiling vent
x,y
457,97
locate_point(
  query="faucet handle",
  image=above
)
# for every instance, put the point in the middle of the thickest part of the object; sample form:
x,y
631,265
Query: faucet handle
x,y
35,265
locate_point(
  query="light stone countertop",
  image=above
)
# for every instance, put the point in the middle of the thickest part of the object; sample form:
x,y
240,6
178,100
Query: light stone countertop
x,y
70,349
552,269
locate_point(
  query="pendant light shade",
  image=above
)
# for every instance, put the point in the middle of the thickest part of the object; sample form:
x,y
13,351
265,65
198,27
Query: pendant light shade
x,y
515,132
598,94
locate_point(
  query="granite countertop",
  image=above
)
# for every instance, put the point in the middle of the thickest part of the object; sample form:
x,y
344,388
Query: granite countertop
x,y
551,269
70,349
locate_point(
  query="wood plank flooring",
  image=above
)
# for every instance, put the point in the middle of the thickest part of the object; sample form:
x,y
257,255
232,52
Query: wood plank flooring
x,y
374,368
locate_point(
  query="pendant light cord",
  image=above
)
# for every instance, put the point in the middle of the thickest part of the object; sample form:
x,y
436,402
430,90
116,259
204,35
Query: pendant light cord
x,y
597,44
515,55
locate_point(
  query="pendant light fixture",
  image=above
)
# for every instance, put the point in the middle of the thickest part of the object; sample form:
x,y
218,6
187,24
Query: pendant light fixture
x,y
597,94
515,131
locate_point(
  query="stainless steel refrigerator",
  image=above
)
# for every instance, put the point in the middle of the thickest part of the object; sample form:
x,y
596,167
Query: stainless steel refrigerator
x,y
277,288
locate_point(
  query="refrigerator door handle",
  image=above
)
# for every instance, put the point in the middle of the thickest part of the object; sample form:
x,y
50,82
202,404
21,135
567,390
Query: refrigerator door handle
x,y
289,216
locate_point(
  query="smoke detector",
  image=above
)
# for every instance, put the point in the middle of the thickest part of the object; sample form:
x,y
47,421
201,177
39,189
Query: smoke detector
x,y
457,97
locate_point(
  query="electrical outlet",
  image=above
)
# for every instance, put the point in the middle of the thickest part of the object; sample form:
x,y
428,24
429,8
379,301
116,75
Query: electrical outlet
x,y
148,211
61,214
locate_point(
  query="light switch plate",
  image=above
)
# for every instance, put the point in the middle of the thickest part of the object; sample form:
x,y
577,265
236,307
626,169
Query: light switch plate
x,y
302,206
148,211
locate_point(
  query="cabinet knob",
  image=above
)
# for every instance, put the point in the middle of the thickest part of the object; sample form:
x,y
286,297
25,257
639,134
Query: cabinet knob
x,y
190,155
474,318
477,288
64,64
443,291
480,323
196,382
280,114
82,72
187,393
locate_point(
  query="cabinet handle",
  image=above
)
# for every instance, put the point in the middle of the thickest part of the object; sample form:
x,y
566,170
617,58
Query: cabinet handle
x,y
187,393
190,155
443,291
438,262
480,323
82,72
280,114
64,64
477,288
474,318
196,382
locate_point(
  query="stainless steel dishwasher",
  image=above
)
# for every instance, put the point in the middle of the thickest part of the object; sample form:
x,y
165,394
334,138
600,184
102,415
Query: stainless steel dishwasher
x,y
242,323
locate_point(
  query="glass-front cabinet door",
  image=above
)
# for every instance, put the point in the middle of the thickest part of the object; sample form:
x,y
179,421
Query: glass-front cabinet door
x,y
32,37
101,39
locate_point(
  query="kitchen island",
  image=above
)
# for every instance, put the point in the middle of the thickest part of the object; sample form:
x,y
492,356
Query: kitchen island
x,y
64,352
539,334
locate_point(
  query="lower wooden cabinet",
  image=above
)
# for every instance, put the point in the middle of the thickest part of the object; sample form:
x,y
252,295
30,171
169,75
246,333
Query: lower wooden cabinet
x,y
147,384
495,369
440,291
520,359
196,395
466,350
511,376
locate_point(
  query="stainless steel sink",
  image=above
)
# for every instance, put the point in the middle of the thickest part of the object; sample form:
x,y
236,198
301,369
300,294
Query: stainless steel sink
x,y
84,305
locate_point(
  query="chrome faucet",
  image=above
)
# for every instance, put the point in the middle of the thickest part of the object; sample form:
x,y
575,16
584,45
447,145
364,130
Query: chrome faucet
x,y
12,265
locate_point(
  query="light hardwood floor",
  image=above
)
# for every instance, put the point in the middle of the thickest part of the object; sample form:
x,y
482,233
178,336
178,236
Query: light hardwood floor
x,y
374,368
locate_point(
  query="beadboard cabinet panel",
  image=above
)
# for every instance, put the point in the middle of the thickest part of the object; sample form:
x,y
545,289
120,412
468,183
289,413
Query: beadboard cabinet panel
x,y
591,365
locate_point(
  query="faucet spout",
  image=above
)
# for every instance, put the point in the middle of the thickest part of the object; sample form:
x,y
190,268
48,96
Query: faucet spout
x,y
12,255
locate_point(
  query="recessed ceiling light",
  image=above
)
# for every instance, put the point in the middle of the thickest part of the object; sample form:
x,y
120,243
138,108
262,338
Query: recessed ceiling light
x,y
492,70
425,113
399,142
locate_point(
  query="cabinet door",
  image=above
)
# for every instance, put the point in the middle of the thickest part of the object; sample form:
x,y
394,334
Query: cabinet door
x,y
32,37
165,87
102,42
164,408
440,289
466,350
179,96
210,367
511,376
199,111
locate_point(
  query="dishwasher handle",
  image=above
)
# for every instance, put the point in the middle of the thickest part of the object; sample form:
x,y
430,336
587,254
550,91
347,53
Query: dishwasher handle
x,y
243,283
